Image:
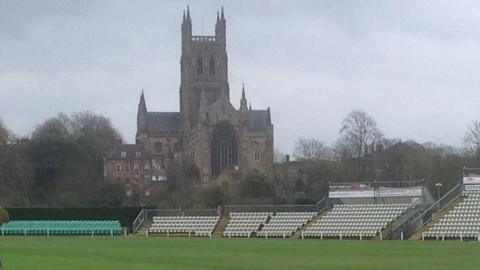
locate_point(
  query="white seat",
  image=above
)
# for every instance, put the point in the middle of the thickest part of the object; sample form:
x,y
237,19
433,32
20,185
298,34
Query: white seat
x,y
356,221
462,222
193,225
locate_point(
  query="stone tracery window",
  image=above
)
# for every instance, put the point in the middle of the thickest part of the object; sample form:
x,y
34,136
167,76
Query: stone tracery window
x,y
224,148
158,147
211,65
199,66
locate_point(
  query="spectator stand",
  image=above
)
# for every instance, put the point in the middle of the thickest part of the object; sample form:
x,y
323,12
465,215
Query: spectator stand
x,y
363,210
178,222
456,216
62,227
269,220
409,228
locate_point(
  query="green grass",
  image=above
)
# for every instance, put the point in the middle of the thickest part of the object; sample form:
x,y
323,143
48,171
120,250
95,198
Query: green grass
x,y
140,253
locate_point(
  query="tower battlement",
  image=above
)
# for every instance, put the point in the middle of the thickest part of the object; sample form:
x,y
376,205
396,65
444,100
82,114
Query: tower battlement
x,y
204,38
187,33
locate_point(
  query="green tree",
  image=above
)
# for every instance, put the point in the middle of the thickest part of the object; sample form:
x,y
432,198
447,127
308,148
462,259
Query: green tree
x,y
56,127
255,185
3,133
404,161
67,155
4,217
215,196
6,136
16,175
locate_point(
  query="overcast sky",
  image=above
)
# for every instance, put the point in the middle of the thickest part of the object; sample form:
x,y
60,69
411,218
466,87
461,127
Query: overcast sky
x,y
414,66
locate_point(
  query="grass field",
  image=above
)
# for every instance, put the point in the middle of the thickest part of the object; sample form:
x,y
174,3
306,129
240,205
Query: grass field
x,y
140,253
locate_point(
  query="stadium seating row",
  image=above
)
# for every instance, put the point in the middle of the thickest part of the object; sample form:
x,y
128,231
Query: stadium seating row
x,y
363,221
241,224
267,224
285,224
245,224
462,222
355,221
61,227
196,225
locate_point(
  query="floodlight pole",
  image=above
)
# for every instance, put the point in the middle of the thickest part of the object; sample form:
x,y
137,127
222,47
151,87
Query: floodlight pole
x,y
439,186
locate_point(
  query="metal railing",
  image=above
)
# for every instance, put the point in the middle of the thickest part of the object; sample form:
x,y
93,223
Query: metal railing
x,y
319,206
415,223
395,230
372,184
138,222
323,204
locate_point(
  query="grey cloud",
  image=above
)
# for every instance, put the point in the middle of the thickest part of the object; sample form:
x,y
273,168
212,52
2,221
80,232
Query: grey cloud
x,y
411,64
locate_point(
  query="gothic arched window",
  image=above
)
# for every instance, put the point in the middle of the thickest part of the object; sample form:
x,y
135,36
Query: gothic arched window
x,y
199,66
211,64
224,148
158,147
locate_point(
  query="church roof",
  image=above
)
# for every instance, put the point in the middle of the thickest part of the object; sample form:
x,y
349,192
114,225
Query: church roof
x,y
129,151
158,122
258,120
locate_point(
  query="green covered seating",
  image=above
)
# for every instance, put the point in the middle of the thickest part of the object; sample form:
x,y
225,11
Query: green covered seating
x,y
61,227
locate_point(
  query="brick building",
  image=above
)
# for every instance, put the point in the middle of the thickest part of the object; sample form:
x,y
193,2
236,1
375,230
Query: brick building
x,y
131,165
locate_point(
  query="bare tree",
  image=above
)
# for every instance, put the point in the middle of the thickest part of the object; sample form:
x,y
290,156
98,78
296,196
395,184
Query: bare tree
x,y
359,134
342,149
472,138
278,156
311,149
359,131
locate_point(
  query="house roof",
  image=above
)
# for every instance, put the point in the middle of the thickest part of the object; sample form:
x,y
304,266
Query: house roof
x,y
158,122
258,120
130,151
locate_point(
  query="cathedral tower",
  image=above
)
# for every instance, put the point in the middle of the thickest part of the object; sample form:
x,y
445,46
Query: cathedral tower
x,y
204,69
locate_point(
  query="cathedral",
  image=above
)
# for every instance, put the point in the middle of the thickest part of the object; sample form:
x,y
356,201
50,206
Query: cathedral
x,y
208,131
